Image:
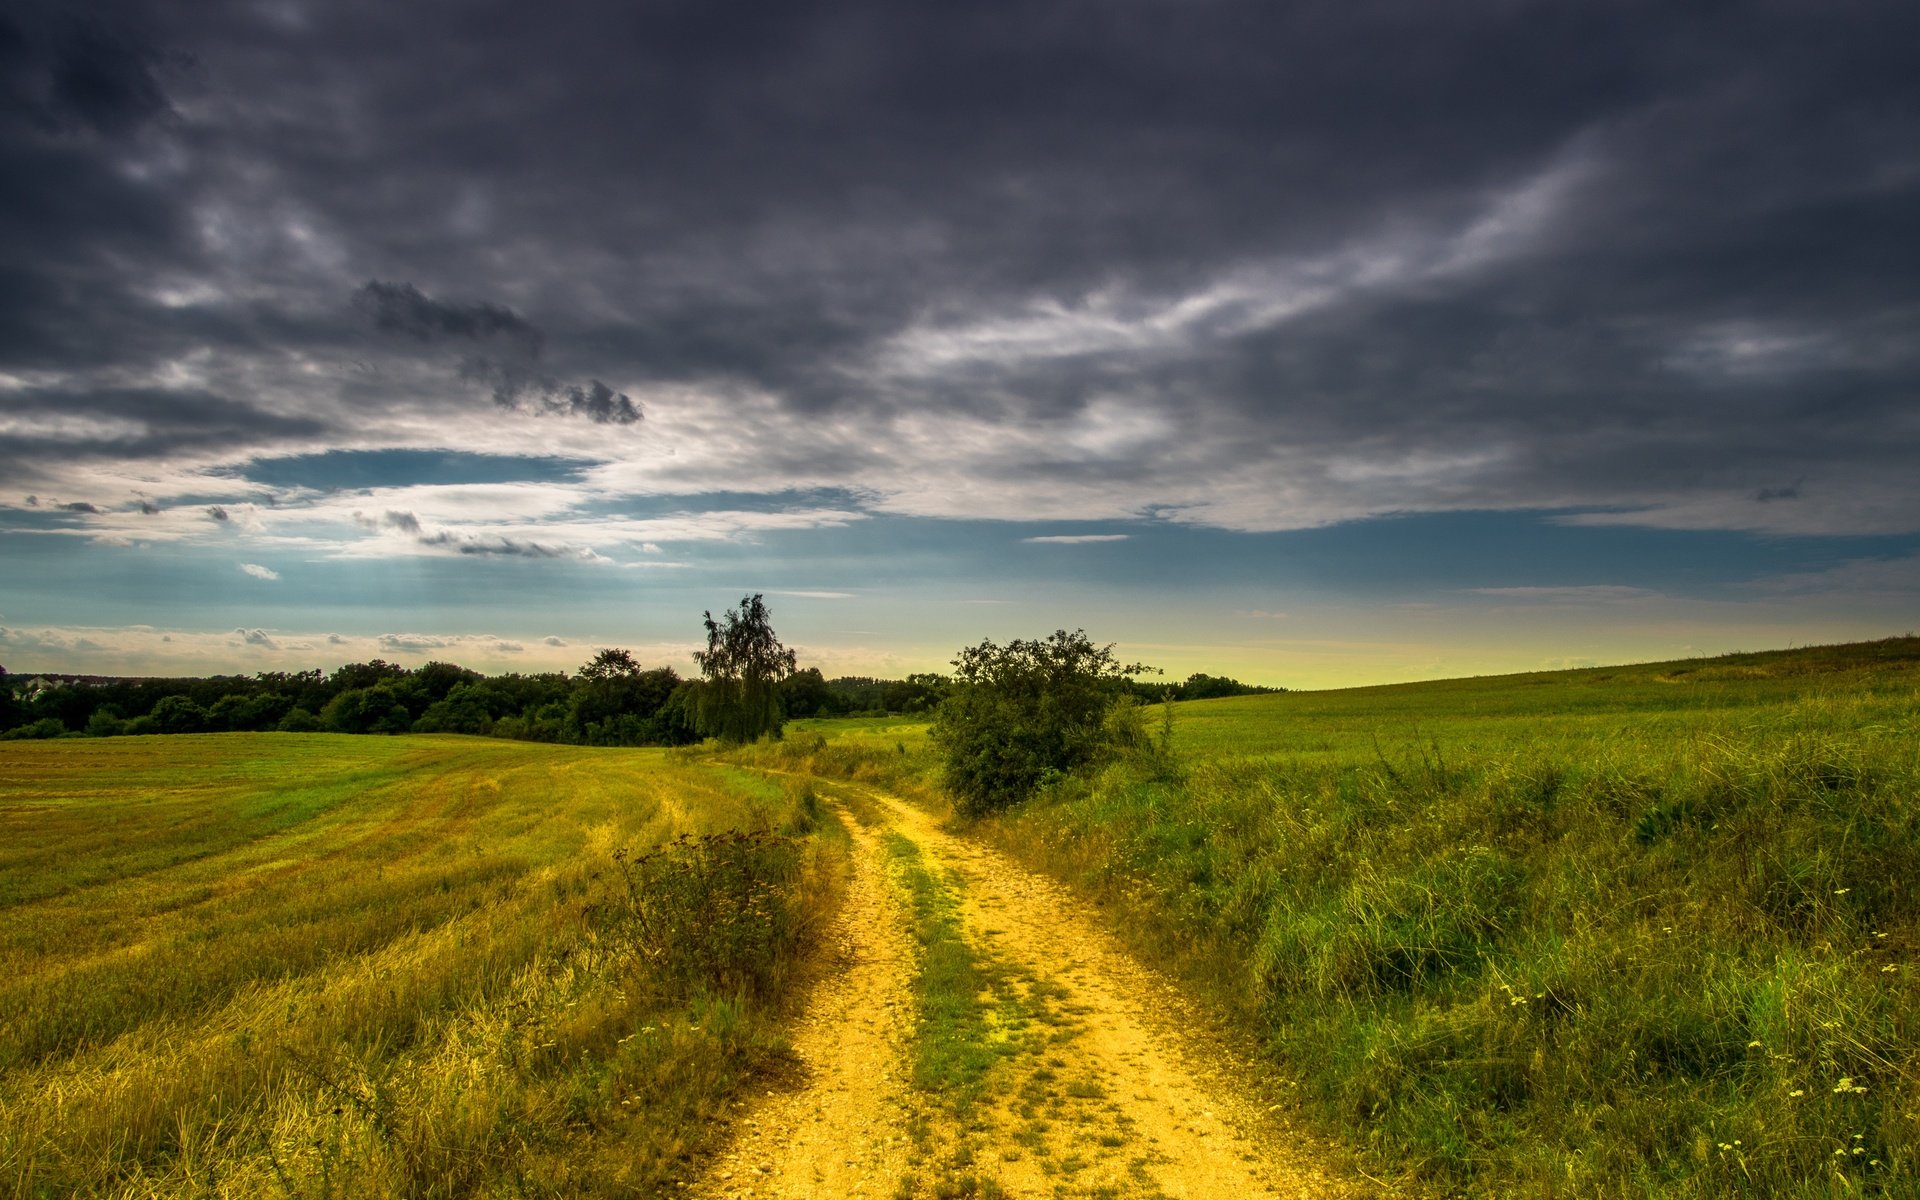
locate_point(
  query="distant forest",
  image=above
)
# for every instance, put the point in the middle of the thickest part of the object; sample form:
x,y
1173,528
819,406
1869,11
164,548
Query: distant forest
x,y
610,701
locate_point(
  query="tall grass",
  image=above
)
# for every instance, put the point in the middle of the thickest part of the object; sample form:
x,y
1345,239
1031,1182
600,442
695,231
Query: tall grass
x,y
1659,943
254,965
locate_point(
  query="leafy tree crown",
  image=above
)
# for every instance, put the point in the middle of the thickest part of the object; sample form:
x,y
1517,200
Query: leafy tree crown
x,y
743,665
1024,712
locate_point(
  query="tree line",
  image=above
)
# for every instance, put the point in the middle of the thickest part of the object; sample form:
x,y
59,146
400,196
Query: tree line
x,y
749,686
610,701
613,705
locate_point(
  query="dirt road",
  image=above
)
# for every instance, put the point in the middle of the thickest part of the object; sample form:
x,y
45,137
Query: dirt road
x,y
842,1131
1101,1083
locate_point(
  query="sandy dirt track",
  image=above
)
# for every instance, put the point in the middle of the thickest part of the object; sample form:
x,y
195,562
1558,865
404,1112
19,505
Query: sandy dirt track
x,y
841,1131
1106,1086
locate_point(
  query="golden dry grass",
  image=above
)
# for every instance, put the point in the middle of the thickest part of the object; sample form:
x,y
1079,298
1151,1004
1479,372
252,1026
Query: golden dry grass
x,y
255,965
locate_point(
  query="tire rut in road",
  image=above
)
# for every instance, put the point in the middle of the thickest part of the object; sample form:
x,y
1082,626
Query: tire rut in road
x,y
1116,1090
841,1132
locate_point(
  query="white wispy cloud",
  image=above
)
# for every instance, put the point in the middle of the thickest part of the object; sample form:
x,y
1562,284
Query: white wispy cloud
x,y
1581,594
1076,539
259,572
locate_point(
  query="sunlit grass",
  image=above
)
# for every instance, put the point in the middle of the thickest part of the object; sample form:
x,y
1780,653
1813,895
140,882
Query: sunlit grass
x,y
256,965
1647,931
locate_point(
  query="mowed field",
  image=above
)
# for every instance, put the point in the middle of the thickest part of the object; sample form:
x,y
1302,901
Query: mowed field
x,y
305,965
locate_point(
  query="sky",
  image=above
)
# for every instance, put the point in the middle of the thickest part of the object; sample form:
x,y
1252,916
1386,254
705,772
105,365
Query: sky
x,y
1311,343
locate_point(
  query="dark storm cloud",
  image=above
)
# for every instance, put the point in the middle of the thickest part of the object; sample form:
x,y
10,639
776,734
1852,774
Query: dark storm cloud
x,y
515,383
482,545
600,404
516,387
66,72
79,506
494,545
1603,254
402,308
83,94
217,513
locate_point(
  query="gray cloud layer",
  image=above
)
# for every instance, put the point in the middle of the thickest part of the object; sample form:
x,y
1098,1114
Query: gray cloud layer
x,y
1238,263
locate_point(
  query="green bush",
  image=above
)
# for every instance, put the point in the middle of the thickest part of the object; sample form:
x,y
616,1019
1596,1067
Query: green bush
x,y
1021,715
45,727
301,720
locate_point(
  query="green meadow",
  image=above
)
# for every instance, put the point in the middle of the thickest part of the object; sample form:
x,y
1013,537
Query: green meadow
x,y
1640,931
311,965
1636,932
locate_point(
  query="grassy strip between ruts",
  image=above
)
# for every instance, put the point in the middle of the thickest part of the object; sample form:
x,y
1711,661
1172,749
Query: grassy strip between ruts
x,y
958,1040
969,1021
428,969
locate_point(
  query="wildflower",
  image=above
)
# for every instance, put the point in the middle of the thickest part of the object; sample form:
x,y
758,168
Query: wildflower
x,y
1841,891
1796,1093
1753,1045
1889,967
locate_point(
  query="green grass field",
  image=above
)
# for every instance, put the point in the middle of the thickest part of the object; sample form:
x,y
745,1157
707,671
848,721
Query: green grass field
x,y
1622,932
262,964
1648,931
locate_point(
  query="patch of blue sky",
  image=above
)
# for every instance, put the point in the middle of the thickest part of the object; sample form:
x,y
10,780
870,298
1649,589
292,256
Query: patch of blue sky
x,y
204,587
1383,557
41,519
